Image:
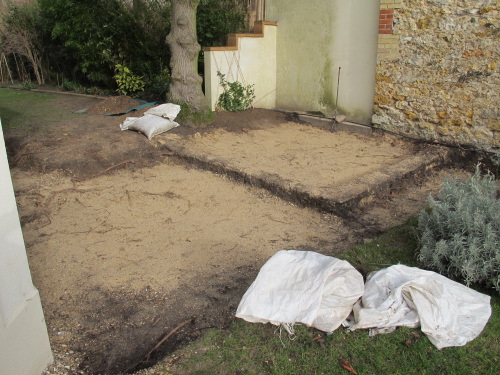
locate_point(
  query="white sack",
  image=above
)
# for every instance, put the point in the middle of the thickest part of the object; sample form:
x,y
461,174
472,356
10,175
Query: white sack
x,y
149,125
302,287
168,110
450,313
128,121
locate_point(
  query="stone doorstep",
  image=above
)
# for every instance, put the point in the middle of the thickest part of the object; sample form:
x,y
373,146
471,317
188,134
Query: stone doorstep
x,y
331,124
353,128
342,200
320,122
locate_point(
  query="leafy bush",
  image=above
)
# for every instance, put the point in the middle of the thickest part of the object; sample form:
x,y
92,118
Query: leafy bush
x,y
460,233
84,40
157,86
128,83
217,18
235,97
495,160
70,85
28,85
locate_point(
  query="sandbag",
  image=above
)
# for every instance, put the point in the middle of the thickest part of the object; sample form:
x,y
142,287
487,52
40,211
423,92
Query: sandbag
x,y
450,313
302,287
149,125
167,110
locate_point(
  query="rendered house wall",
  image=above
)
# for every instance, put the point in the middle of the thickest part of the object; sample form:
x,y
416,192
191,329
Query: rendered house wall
x,y
24,342
314,39
249,59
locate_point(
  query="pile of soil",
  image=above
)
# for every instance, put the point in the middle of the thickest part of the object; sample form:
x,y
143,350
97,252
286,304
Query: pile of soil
x,y
113,105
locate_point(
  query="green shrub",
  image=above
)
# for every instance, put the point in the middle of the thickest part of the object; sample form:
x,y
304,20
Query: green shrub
x,y
84,40
28,85
215,19
128,83
235,97
495,160
460,233
70,85
156,88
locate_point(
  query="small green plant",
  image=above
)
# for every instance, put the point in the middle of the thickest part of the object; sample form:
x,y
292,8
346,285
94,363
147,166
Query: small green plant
x,y
28,85
157,87
128,83
495,160
193,118
235,97
91,90
460,233
71,85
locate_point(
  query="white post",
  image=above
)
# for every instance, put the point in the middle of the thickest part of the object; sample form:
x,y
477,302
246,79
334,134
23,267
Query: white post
x,y
24,342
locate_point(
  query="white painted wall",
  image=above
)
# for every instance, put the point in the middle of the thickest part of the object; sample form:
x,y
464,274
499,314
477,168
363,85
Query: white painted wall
x,y
315,38
253,63
354,49
24,342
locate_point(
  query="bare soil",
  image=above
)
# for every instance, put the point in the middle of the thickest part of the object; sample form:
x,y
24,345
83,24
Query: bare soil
x,y
127,241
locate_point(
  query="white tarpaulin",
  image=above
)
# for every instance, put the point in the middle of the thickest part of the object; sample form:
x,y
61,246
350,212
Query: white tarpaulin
x,y
450,313
302,287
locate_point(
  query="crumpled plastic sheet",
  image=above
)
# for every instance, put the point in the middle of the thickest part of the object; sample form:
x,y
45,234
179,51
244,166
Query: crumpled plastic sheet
x,y
449,313
302,287
324,292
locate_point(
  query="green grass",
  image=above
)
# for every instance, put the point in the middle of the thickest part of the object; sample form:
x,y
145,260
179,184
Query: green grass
x,y
25,108
397,245
247,348
257,349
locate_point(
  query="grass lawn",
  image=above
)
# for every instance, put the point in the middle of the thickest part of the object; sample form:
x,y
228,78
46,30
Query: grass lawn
x,y
247,348
20,108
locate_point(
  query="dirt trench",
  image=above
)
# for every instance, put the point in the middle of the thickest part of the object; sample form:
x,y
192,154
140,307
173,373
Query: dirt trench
x,y
133,243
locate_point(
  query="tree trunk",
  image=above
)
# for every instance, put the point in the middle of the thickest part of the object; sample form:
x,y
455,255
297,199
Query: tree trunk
x,y
185,87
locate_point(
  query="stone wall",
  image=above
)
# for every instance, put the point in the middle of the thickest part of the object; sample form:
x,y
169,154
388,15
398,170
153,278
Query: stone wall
x,y
442,81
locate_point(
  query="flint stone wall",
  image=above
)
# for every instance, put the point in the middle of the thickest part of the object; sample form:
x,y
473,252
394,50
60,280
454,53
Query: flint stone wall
x,y
443,83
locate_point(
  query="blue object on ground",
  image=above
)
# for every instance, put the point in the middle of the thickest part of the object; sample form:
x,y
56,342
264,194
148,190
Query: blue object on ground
x,y
132,109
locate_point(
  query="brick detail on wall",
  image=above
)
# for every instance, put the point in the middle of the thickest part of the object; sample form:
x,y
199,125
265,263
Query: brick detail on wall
x,y
388,42
386,21
388,46
390,4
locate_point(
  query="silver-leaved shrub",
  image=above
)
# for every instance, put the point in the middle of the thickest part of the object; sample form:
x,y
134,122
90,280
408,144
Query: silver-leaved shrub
x,y
460,232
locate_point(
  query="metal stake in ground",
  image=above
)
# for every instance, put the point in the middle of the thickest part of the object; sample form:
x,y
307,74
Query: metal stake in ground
x,y
337,118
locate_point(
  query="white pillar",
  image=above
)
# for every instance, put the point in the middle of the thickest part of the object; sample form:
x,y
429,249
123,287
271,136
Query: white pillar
x,y
24,342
